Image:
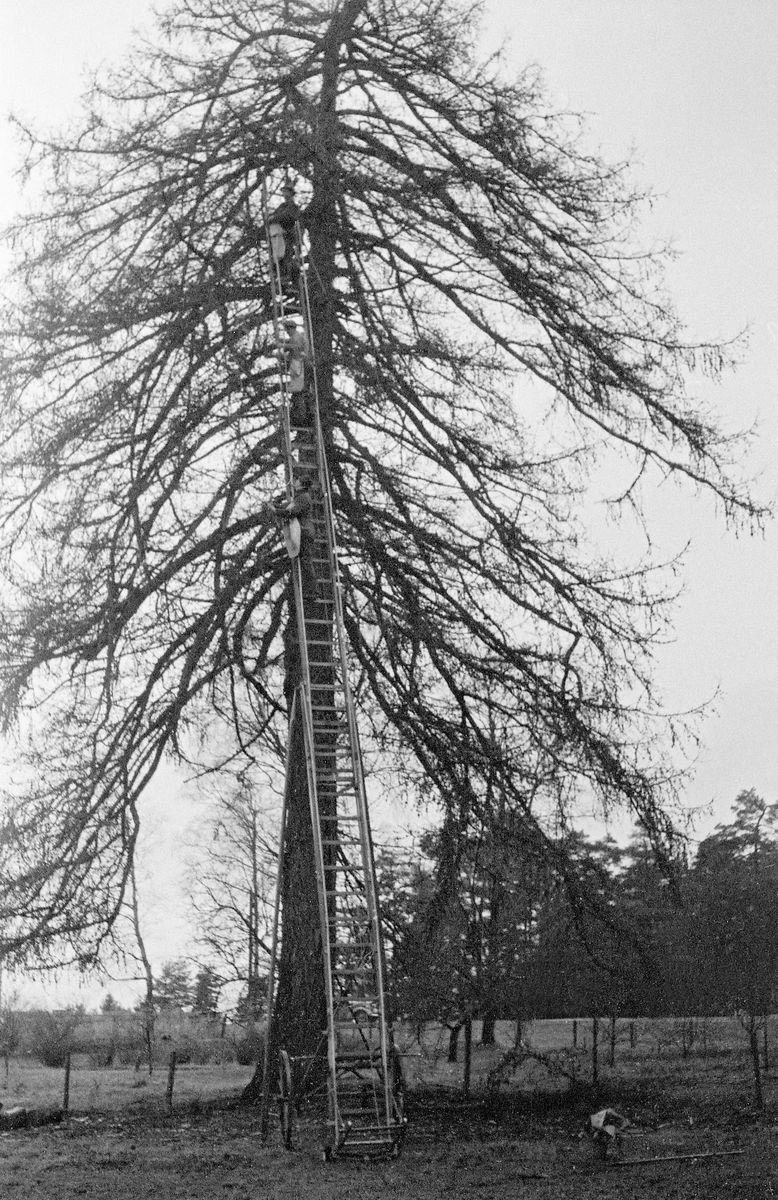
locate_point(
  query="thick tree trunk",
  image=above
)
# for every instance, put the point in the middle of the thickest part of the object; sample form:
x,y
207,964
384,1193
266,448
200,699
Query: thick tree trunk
x,y
299,1010
595,1062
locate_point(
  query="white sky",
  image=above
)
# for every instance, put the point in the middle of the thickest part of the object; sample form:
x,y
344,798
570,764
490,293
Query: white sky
x,y
692,86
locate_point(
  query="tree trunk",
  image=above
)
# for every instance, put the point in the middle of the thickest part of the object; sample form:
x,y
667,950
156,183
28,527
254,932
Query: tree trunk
x,y
148,1003
595,1064
487,1030
612,1058
453,1042
468,1057
300,1013
753,1042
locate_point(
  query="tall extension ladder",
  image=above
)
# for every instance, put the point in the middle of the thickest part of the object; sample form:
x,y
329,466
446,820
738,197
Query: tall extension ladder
x,y
364,1081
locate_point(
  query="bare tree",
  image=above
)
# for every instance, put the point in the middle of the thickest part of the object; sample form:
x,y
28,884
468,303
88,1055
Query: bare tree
x,y
146,1007
231,881
489,339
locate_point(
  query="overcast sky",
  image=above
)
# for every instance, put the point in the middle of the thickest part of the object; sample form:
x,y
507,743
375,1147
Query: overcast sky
x,y
690,89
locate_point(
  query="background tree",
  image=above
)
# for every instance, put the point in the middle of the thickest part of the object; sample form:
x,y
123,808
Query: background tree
x,y
231,882
735,882
173,987
205,992
471,265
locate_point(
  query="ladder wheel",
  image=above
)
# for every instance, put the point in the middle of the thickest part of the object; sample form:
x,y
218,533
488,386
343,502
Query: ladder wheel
x,y
285,1098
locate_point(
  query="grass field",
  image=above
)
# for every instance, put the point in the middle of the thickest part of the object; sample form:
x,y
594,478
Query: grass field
x,y
524,1138
647,1052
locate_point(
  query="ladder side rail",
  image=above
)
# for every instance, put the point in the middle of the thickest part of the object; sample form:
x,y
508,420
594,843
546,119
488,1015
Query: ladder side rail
x,y
374,913
271,979
332,551
321,455
366,840
321,880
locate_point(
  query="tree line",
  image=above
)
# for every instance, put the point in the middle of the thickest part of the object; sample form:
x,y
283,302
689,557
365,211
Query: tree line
x,y
505,932
633,937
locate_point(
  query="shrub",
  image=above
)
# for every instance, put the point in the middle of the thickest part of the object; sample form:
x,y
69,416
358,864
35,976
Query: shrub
x,y
249,1049
51,1036
10,1032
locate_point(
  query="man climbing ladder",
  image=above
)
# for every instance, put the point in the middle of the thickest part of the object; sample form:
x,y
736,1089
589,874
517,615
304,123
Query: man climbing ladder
x,y
363,1083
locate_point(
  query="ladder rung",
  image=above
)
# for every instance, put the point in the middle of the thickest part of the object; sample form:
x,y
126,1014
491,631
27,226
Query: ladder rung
x,y
369,1128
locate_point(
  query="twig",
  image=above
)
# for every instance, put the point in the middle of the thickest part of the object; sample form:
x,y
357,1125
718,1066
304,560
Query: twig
x,y
636,1162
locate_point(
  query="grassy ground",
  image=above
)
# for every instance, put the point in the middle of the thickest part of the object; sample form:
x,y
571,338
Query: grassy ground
x,y
523,1140
110,1089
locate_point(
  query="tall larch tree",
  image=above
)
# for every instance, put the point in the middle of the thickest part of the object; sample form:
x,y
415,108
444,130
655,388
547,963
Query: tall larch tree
x,y
488,340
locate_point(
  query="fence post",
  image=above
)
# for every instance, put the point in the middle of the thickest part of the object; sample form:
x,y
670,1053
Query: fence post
x,y
171,1074
66,1097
